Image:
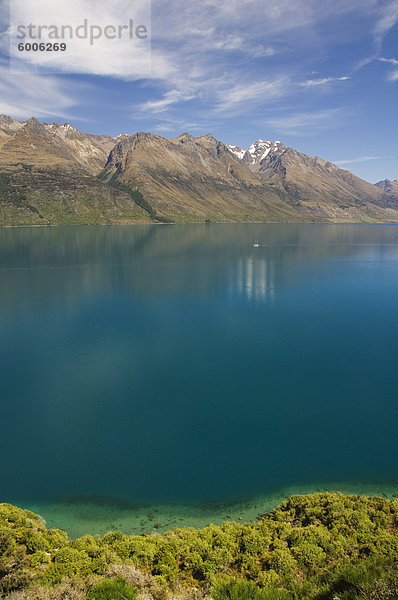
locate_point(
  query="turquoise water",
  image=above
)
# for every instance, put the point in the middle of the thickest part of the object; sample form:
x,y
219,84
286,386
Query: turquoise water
x,y
152,365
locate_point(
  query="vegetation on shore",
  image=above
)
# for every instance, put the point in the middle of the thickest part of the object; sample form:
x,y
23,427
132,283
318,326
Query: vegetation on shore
x,y
33,196
319,547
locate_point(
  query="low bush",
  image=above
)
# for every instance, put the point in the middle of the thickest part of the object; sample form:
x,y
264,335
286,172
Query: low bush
x,y
112,589
311,547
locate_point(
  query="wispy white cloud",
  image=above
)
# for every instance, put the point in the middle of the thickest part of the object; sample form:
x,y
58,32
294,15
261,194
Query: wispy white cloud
x,y
307,123
179,125
385,17
391,61
223,57
24,95
200,41
261,51
168,99
185,35
360,159
386,20
392,74
246,93
322,81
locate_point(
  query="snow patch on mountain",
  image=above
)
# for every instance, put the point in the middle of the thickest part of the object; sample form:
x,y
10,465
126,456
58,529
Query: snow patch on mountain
x,y
236,150
258,151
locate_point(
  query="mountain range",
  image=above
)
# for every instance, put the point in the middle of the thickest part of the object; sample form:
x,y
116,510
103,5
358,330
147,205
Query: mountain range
x,y
55,174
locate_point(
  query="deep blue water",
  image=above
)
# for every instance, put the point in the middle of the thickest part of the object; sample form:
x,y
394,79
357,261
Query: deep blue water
x,y
179,363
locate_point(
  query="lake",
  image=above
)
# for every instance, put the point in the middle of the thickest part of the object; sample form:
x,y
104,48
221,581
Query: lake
x,y
161,365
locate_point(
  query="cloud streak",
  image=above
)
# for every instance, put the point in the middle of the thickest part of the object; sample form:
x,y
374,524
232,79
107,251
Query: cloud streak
x,y
322,81
391,61
217,60
169,98
360,159
22,96
307,123
387,19
247,93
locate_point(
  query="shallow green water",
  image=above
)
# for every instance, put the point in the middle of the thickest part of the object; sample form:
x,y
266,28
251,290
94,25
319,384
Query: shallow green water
x,y
102,514
148,367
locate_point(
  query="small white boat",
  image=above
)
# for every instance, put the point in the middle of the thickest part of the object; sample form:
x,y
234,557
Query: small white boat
x,y
256,245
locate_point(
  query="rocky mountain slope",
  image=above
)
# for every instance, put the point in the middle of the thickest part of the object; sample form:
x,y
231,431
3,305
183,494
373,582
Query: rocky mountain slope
x,y
52,144
388,186
193,179
52,173
316,187
48,176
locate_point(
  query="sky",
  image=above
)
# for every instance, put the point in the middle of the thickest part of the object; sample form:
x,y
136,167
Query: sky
x,y
321,76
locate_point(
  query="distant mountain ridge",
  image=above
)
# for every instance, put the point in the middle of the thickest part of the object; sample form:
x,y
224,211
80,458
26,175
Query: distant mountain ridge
x,y
62,141
391,187
48,177
53,174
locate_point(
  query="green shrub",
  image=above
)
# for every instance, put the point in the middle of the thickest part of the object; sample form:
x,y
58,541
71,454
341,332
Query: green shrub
x,y
247,590
112,589
68,562
309,548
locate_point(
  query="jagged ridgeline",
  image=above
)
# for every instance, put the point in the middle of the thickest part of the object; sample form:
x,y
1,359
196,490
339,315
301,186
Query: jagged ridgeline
x,y
54,174
312,547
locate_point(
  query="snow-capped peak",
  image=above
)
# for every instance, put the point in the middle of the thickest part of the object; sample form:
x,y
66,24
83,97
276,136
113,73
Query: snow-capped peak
x,y
65,131
257,151
237,151
65,126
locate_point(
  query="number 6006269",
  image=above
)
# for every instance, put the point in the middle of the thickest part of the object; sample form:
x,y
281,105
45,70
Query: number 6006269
x,y
42,47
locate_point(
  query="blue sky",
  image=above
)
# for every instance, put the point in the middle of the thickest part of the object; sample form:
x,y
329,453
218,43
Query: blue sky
x,y
322,77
